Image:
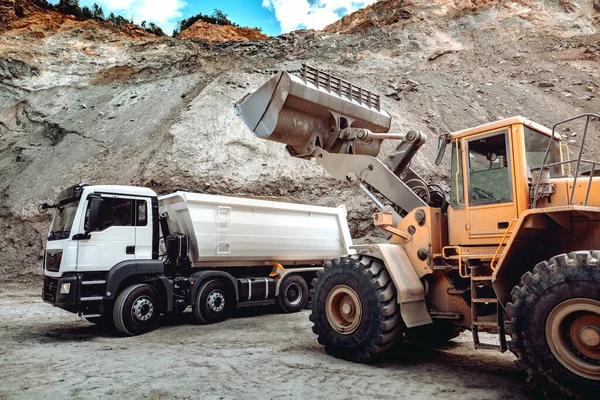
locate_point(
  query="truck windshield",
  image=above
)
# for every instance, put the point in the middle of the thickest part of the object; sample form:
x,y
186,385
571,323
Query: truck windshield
x,y
63,220
536,145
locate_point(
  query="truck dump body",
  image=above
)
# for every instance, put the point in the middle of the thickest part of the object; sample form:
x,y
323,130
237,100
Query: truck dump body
x,y
244,232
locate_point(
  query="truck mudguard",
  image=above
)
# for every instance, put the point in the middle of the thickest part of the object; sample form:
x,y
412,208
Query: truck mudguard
x,y
411,293
125,269
203,275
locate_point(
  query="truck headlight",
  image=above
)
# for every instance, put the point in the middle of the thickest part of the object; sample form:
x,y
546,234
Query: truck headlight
x,y
65,288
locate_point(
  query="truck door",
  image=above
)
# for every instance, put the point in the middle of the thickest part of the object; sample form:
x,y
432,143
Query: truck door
x,y
113,240
143,229
490,202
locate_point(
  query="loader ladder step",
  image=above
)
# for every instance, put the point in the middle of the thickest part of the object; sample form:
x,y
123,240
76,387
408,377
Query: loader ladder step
x,y
477,323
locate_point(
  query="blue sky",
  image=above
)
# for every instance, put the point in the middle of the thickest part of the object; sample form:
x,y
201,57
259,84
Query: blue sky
x,y
273,16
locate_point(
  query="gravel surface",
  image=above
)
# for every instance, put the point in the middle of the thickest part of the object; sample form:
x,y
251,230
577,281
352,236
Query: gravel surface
x,y
49,353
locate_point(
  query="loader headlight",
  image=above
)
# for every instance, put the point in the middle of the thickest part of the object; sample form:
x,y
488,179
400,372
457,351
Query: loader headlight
x,y
65,288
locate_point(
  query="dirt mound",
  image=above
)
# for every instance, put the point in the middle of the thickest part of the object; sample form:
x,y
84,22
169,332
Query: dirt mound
x,y
220,33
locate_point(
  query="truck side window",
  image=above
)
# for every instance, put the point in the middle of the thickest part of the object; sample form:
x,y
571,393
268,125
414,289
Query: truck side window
x,y
114,212
141,213
457,190
489,170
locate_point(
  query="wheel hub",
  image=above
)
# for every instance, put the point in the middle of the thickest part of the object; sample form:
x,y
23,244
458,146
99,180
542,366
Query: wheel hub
x,y
216,301
343,309
293,293
142,309
573,335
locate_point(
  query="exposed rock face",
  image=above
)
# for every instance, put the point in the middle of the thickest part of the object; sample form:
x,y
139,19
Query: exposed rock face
x,y
88,102
220,33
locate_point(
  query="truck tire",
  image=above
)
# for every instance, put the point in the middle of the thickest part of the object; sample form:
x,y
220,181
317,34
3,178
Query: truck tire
x,y
354,308
439,332
293,294
554,324
136,309
213,302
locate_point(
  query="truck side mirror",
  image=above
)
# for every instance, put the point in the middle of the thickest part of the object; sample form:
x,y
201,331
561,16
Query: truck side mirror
x,y
443,141
95,204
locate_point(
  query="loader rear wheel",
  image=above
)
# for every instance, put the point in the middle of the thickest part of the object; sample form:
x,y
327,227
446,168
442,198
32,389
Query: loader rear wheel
x,y
354,309
439,332
555,324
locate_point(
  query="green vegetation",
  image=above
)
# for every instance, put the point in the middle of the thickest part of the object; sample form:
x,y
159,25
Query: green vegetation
x,y
218,17
95,13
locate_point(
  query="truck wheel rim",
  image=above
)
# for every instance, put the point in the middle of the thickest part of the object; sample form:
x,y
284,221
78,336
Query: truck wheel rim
x,y
573,335
293,294
343,309
142,309
215,302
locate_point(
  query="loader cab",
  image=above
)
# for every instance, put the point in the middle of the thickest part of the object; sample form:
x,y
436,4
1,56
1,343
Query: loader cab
x,y
491,175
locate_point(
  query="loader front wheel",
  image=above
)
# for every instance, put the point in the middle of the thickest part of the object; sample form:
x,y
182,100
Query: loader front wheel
x,y
355,313
555,324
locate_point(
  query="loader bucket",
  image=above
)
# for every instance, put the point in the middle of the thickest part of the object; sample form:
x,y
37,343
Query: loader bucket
x,y
311,110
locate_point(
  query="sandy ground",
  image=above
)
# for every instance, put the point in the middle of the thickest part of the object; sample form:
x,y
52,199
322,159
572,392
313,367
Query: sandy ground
x,y
49,353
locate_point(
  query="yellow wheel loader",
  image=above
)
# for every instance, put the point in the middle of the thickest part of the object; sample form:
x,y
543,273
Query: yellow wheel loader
x,y
510,250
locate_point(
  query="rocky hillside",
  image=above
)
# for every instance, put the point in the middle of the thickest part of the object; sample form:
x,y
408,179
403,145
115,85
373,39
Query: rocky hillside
x,y
87,103
220,33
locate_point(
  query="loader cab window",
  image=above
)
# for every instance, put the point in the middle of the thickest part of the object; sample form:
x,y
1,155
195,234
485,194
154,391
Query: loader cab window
x,y
457,193
113,212
536,144
489,169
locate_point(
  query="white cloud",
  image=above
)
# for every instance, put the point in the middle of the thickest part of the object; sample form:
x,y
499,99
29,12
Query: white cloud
x,y
313,14
164,13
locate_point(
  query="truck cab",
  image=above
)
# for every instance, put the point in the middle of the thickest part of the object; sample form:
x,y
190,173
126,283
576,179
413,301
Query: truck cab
x,y
95,228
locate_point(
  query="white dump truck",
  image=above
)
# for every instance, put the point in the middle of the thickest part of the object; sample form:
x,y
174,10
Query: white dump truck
x,y
123,255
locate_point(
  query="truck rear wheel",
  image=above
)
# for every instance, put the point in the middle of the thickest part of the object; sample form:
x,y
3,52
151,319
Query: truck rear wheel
x,y
212,303
136,310
293,294
555,324
354,308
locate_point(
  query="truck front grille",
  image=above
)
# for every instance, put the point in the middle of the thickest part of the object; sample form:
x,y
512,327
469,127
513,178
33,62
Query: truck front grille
x,y
50,289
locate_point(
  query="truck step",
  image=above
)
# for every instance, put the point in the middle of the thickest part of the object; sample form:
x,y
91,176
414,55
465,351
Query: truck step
x,y
482,278
92,298
96,282
90,315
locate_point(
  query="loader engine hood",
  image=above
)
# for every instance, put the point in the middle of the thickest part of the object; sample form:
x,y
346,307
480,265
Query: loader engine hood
x,y
313,110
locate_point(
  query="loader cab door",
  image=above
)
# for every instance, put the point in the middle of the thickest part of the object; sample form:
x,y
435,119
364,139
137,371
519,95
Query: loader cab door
x,y
483,189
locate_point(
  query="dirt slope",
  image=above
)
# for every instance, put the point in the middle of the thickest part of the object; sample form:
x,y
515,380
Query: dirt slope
x,y
220,33
95,105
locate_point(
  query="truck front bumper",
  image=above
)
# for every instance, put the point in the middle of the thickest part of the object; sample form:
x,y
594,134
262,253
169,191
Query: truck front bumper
x,y
51,292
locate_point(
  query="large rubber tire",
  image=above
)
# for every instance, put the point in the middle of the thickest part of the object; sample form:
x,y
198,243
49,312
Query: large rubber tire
x,y
568,283
438,333
293,294
136,309
368,321
213,302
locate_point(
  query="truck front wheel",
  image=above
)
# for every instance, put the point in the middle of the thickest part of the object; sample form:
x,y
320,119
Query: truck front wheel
x,y
555,324
293,294
136,309
354,308
213,302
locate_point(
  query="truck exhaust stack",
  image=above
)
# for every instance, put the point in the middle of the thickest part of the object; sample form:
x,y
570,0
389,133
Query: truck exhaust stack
x,y
314,110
